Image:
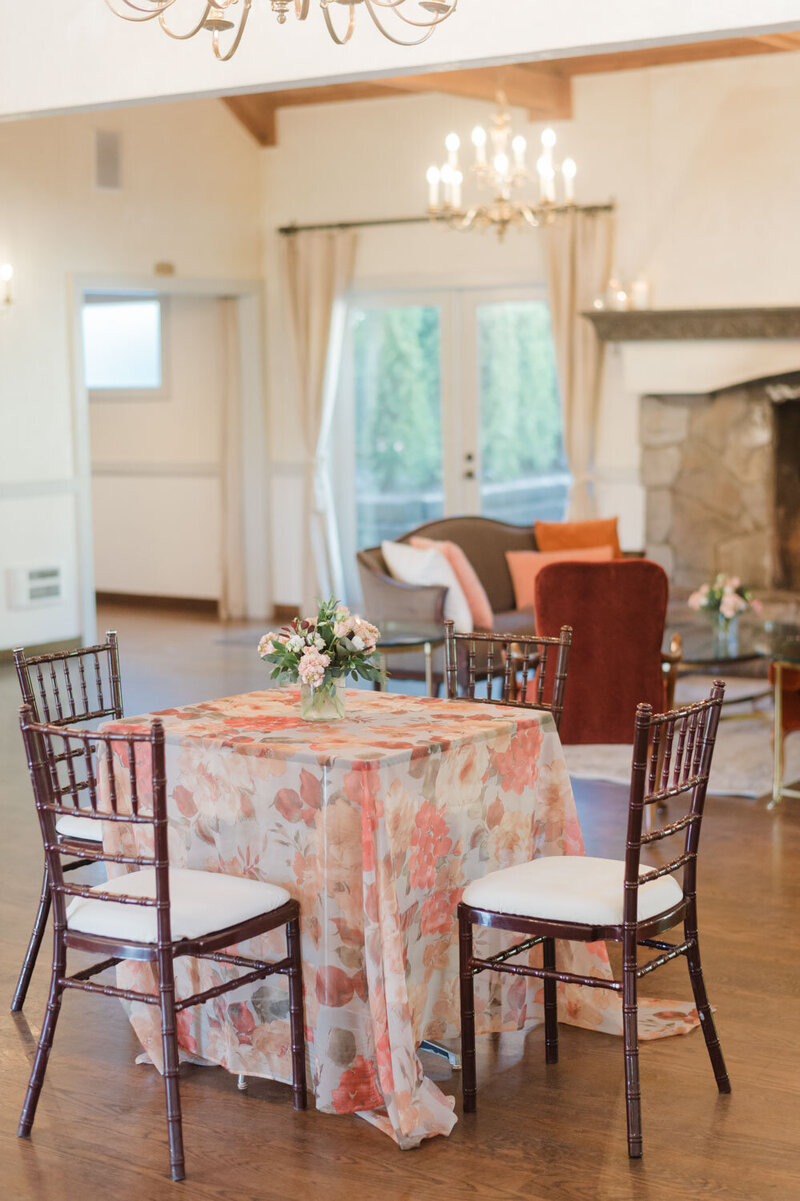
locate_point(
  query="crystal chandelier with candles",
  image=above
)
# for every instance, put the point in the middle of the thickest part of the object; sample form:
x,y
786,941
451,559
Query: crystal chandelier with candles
x,y
500,165
225,20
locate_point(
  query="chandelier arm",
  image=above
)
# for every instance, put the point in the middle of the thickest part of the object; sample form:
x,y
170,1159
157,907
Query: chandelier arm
x,y
234,46
301,9
147,13
351,24
396,4
389,36
183,37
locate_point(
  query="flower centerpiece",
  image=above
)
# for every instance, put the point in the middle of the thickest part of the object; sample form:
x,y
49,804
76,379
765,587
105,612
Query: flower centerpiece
x,y
726,597
321,653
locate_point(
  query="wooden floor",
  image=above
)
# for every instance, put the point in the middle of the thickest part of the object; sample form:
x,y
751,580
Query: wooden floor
x,y
543,1134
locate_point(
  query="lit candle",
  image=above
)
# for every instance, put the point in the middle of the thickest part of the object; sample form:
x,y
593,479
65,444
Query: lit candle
x,y
548,142
446,175
479,142
569,170
640,294
547,181
458,179
452,143
518,146
432,177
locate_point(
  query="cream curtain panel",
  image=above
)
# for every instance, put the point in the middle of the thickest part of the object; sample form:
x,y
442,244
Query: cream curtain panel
x,y
318,268
578,259
232,601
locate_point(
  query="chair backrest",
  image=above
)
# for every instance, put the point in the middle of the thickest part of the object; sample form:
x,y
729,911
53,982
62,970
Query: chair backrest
x,y
63,766
671,759
617,610
532,670
72,686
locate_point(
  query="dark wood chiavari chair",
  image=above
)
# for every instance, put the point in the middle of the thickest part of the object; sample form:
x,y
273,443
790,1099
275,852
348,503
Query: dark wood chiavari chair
x,y
515,661
67,688
153,913
588,900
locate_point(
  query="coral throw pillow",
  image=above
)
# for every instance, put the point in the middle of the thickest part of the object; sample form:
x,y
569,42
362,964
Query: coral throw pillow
x,y
467,576
415,566
578,535
525,565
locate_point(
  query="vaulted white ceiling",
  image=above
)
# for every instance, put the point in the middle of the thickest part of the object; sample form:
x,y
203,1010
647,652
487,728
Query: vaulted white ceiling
x,y
60,55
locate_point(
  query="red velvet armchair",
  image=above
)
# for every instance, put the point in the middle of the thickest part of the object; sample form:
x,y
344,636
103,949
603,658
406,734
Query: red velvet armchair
x,y
617,611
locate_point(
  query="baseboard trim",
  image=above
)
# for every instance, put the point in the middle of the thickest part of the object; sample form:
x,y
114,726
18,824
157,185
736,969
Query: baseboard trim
x,y
185,604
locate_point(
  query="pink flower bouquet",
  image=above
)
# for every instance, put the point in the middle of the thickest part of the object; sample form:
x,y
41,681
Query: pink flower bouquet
x,y
725,596
320,653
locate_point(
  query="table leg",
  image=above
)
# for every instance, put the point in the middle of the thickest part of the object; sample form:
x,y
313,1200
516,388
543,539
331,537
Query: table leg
x,y
428,669
777,735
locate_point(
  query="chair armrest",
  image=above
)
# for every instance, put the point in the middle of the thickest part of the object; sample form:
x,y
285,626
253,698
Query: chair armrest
x,y
388,599
670,661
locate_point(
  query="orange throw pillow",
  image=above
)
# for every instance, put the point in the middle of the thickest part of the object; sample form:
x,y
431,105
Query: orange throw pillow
x,y
525,565
465,573
578,535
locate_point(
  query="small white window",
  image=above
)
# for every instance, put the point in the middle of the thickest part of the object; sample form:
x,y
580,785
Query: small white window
x,y
123,344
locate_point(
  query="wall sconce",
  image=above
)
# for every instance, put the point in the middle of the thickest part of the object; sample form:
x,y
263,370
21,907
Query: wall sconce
x,y
6,275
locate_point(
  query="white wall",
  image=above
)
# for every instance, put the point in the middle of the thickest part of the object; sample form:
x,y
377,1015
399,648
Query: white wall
x,y
156,490
701,159
190,196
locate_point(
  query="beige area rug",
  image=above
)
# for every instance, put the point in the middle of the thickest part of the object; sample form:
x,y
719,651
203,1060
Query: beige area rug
x,y
742,764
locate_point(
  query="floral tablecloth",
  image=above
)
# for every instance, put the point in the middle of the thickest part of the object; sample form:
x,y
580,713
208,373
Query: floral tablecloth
x,y
375,824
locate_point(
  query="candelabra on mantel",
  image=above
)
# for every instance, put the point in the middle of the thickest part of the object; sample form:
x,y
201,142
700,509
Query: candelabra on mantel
x,y
500,165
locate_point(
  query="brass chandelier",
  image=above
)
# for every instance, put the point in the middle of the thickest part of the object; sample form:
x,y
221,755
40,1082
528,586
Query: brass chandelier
x,y
500,165
225,20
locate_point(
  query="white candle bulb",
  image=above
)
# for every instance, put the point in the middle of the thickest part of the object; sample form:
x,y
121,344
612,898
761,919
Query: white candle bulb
x,y
452,143
6,273
501,165
569,170
432,177
479,142
519,146
547,180
446,175
548,138
458,179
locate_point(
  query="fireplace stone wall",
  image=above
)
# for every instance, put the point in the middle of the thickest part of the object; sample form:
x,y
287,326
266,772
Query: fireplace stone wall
x,y
708,469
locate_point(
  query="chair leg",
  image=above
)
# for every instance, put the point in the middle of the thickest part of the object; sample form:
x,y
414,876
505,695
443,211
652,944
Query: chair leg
x,y
630,1030
703,1007
468,1075
46,1037
29,962
296,1018
550,1003
169,1040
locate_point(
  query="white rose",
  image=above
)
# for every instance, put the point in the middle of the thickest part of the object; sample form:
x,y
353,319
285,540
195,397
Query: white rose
x,y
358,642
319,643
295,644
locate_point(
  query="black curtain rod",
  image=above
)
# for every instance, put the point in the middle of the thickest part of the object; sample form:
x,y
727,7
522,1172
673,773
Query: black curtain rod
x,y
287,230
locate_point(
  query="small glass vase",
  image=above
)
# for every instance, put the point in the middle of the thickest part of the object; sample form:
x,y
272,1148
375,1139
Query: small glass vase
x,y
326,703
726,635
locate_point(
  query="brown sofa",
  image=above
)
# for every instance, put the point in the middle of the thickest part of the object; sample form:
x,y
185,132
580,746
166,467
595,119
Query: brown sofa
x,y
485,543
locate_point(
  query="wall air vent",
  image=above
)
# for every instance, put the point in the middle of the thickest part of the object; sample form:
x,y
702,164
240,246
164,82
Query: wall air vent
x,y
31,587
107,164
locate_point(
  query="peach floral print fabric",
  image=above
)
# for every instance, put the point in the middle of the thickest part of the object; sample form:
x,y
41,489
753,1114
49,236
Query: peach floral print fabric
x,y
375,824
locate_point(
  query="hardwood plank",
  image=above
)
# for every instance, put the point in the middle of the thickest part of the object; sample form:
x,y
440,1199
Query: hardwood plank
x,y
542,1134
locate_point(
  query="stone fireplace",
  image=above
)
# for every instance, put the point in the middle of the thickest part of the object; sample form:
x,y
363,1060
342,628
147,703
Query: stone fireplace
x,y
720,458
721,474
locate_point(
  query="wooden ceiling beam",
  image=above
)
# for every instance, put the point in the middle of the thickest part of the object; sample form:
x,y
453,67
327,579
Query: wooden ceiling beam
x,y
545,93
257,115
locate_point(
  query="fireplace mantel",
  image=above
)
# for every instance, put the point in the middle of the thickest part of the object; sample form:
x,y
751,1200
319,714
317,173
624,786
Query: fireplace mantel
x,y
668,325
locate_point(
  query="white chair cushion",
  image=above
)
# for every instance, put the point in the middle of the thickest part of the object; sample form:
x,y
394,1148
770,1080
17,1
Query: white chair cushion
x,y
86,828
570,888
200,902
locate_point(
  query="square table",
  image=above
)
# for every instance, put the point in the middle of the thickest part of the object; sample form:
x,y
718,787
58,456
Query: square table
x,y
375,824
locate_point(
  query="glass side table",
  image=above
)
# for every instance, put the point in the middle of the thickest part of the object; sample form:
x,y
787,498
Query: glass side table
x,y
398,637
780,643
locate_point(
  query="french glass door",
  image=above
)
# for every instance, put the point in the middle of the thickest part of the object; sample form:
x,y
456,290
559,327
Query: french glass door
x,y
447,403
